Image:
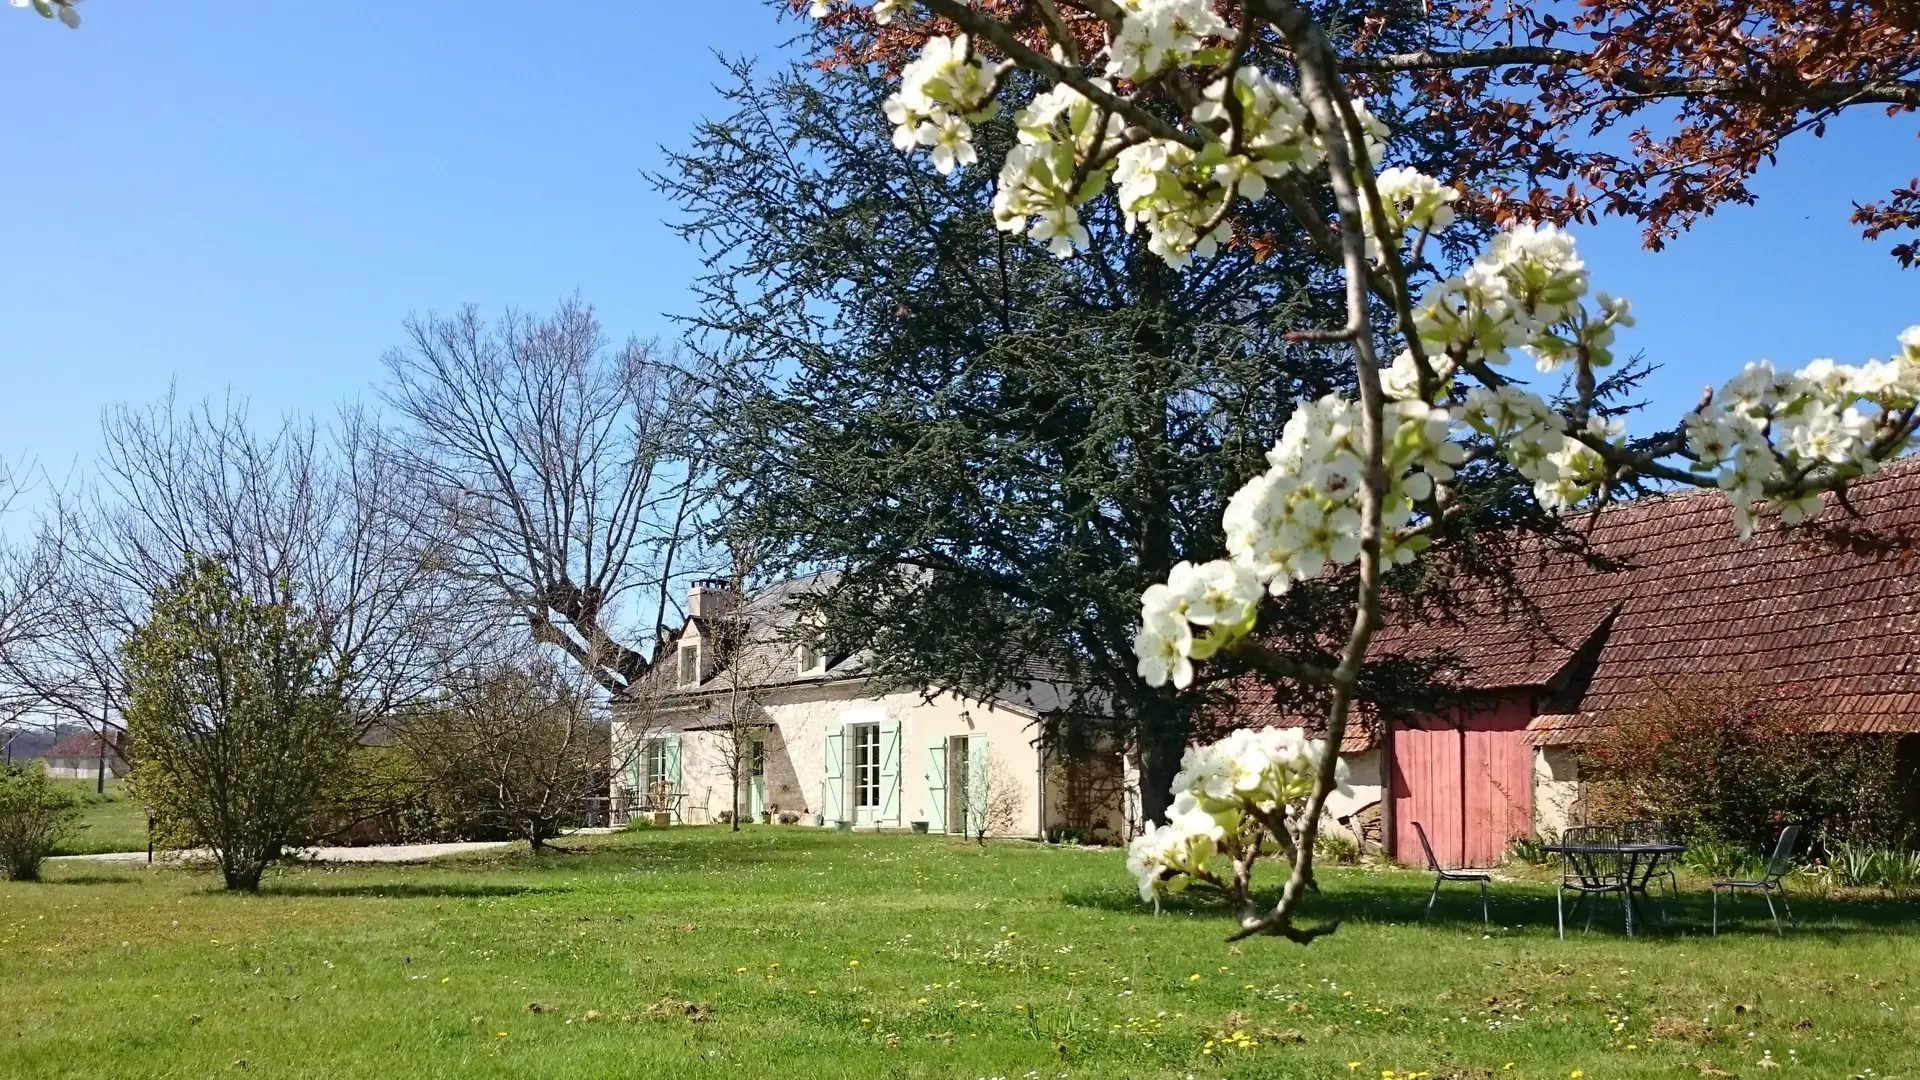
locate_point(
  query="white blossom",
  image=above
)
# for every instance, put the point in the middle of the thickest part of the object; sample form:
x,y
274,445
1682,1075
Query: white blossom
x,y
1156,34
941,90
1411,200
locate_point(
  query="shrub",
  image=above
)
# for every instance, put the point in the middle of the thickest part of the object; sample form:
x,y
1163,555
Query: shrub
x,y
1733,763
239,734
1336,848
1527,849
35,813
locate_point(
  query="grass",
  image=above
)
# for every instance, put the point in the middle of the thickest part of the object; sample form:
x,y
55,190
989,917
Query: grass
x,y
786,952
109,820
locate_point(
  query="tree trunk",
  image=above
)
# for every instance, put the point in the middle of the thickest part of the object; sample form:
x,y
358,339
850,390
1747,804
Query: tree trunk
x,y
1161,745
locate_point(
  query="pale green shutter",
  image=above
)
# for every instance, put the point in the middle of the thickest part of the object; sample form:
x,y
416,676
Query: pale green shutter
x,y
937,785
636,756
976,782
890,772
673,765
835,797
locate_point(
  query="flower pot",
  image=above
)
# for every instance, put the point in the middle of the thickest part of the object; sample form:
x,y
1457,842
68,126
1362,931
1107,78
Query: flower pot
x,y
843,826
663,817
920,827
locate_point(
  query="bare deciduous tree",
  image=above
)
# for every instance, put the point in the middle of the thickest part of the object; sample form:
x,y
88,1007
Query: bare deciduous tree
x,y
752,651
299,513
555,473
514,742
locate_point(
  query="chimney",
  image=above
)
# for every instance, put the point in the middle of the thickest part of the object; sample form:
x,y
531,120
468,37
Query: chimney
x,y
710,598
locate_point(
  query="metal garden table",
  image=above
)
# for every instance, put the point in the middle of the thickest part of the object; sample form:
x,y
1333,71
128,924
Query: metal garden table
x,y
1638,864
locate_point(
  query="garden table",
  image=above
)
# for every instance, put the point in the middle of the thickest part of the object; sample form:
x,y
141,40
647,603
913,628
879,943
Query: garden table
x,y
1638,864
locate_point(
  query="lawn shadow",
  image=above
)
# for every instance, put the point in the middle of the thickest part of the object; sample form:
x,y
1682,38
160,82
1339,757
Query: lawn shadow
x,y
408,890
1529,907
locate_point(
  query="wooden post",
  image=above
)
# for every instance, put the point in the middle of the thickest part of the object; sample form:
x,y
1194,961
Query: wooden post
x,y
1388,819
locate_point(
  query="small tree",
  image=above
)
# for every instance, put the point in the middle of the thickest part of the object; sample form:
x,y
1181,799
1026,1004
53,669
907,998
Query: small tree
x,y
516,744
752,651
34,814
238,731
1000,802
1733,762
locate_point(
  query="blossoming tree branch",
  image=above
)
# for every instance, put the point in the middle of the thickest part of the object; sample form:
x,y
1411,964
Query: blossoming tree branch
x,y
1165,101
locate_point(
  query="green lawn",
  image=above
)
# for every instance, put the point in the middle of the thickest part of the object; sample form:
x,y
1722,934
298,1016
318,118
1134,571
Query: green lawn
x,y
794,953
109,820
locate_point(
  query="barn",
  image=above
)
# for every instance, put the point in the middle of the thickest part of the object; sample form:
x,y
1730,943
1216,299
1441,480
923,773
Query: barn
x,y
1828,610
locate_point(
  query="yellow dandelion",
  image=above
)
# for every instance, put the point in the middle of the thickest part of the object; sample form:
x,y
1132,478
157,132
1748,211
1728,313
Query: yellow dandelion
x,y
1352,1065
738,970
853,963
1576,1074
447,979
1195,977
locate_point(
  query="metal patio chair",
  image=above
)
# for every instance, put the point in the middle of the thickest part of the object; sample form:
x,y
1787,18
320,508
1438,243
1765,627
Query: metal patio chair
x,y
1768,883
1440,875
1653,831
1590,866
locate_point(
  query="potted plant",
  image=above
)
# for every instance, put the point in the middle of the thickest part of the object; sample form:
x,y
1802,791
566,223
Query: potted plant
x,y
919,827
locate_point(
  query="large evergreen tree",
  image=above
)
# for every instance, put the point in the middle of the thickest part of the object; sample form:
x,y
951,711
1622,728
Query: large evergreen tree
x,y
1000,450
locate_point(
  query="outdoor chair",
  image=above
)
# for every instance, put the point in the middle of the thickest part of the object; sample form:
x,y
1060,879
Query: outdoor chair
x,y
1652,831
1440,875
1768,884
1590,866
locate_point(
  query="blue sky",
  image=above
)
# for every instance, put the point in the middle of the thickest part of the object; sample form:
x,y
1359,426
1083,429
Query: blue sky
x,y
254,200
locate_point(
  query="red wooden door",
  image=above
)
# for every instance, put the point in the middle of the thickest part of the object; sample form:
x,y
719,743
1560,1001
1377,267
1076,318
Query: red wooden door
x,y
1426,789
1498,786
1468,782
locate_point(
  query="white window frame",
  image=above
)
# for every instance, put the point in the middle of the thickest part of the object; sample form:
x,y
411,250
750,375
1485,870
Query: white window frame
x,y
863,756
654,764
690,663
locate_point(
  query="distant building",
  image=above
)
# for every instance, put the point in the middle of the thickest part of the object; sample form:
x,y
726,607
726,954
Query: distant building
x,y
81,757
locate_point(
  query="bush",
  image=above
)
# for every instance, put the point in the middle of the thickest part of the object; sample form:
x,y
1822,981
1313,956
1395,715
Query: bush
x,y
1731,763
1336,848
1860,866
1527,849
35,813
239,733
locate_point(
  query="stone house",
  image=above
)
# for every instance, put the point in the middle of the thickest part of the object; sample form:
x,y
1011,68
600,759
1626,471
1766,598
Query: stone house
x,y
819,738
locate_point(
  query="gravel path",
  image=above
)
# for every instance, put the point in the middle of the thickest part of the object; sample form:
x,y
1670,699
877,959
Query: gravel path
x,y
373,853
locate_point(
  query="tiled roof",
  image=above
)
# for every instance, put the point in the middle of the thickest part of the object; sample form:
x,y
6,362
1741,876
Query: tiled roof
x,y
84,744
1838,622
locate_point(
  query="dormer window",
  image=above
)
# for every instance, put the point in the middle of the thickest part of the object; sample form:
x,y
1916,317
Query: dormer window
x,y
690,664
811,659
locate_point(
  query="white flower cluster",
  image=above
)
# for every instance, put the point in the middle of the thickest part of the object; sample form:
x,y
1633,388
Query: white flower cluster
x,y
1528,280
1218,788
1291,522
1533,436
1764,423
942,92
66,11
1036,193
1411,200
883,10
1157,34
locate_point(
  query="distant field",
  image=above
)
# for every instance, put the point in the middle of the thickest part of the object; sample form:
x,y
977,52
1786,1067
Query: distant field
x,y
108,822
796,953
